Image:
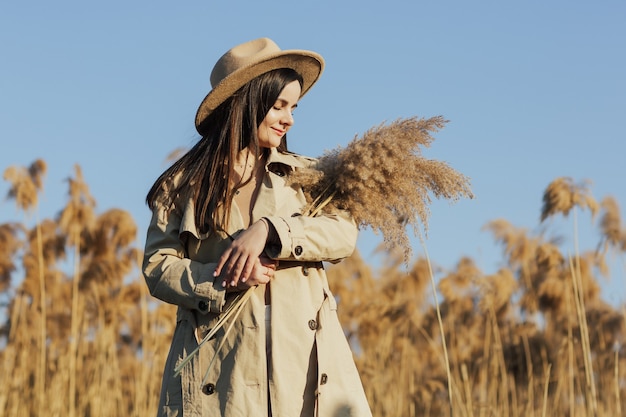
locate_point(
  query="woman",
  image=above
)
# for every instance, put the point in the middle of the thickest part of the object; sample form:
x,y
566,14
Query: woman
x,y
224,220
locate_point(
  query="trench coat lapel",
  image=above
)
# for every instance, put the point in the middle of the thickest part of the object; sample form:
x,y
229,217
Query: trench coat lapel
x,y
273,194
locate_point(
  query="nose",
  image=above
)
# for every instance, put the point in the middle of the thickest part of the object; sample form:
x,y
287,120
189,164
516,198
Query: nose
x,y
287,119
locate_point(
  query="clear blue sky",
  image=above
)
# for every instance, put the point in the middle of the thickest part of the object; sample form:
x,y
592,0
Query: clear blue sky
x,y
533,90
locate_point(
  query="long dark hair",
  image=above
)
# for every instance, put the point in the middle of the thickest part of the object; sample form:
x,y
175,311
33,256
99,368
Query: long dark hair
x,y
206,172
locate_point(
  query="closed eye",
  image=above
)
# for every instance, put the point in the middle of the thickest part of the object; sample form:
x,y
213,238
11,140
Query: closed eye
x,y
280,104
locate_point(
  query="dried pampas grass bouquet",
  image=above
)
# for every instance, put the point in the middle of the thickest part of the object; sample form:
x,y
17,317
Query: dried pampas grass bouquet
x,y
383,180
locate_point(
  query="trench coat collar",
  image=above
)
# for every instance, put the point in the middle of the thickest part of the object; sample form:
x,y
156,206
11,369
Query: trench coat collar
x,y
286,158
272,194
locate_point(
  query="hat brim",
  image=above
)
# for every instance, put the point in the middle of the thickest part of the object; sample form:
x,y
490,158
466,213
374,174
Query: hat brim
x,y
306,63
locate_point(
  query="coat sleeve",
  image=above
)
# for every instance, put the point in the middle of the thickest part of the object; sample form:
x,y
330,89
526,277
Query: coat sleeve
x,y
170,275
313,239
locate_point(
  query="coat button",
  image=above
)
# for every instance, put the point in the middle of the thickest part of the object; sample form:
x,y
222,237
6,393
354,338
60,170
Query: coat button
x,y
312,324
323,379
208,389
305,270
203,305
297,250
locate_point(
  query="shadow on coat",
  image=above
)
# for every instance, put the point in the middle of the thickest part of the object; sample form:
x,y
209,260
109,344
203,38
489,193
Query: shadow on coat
x,y
343,411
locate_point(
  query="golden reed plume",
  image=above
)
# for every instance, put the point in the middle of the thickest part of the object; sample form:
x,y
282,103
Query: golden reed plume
x,y
562,195
383,180
25,183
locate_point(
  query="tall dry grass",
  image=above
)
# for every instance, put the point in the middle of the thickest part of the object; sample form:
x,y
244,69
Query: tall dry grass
x,y
76,277
534,338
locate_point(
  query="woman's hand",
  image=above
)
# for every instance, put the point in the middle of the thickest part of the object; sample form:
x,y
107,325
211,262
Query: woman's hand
x,y
262,273
241,262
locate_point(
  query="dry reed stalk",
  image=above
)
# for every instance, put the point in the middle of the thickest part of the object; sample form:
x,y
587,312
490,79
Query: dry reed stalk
x,y
618,400
7,366
544,409
441,329
570,356
562,196
530,374
74,326
44,317
514,400
99,358
231,312
502,371
467,391
484,392
109,364
579,302
576,276
403,375
141,397
77,216
20,379
405,378
25,186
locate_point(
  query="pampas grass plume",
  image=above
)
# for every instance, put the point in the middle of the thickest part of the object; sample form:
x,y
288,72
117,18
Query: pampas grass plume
x,y
25,183
383,180
563,194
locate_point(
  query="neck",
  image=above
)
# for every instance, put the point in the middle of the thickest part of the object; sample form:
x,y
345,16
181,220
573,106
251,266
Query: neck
x,y
245,158
247,166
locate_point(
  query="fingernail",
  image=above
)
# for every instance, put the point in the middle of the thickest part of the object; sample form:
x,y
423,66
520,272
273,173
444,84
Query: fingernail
x,y
223,283
232,283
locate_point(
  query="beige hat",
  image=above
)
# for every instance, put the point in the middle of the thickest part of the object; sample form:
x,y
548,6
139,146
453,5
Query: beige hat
x,y
251,59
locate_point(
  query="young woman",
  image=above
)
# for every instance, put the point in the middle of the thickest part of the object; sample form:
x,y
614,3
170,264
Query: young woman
x,y
224,220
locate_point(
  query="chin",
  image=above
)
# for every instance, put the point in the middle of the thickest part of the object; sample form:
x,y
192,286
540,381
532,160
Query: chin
x,y
271,142
274,143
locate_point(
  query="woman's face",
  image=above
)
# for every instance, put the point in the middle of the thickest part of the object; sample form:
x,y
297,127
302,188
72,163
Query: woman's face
x,y
280,118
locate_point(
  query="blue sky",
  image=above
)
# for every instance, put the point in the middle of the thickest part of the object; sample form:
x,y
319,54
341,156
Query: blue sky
x,y
532,90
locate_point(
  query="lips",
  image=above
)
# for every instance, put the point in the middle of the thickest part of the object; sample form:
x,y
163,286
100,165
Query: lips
x,y
280,132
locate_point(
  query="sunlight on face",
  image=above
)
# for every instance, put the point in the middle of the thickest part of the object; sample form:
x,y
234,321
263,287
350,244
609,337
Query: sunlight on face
x,y
280,118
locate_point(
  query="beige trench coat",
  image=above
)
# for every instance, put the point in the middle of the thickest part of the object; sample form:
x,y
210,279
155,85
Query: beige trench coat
x,y
311,371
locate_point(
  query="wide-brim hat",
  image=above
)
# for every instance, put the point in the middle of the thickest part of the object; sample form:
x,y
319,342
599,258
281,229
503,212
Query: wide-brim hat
x,y
249,60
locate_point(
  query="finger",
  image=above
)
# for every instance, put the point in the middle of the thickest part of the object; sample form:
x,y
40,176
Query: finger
x,y
220,262
235,272
248,268
229,269
270,263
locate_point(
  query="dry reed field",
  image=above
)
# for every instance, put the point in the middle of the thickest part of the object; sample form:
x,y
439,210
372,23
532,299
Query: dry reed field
x,y
81,336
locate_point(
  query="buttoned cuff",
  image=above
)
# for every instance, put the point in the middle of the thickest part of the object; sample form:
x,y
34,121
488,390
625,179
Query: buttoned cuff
x,y
290,237
210,295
